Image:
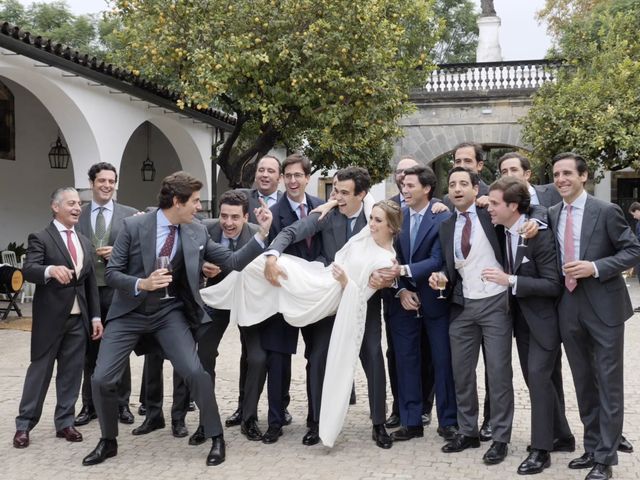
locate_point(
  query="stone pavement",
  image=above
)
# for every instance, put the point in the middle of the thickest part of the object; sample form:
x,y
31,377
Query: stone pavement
x,y
159,456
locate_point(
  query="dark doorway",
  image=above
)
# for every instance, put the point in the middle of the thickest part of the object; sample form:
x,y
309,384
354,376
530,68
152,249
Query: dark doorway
x,y
628,191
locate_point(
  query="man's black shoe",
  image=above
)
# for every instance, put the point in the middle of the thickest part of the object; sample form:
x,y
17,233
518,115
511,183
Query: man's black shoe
x,y
217,453
179,429
599,472
85,416
106,448
381,437
311,437
393,421
426,419
585,461
407,433
460,443
272,434
497,453
142,410
125,416
486,431
234,419
251,430
198,437
536,462
625,445
148,426
448,432
287,417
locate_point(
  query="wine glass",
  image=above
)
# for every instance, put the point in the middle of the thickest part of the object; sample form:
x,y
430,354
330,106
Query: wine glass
x,y
163,262
442,284
419,310
99,243
523,236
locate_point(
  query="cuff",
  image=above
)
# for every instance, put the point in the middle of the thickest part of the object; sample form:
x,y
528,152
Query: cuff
x,y
274,253
596,273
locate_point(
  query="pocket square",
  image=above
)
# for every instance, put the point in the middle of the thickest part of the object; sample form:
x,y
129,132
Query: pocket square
x,y
525,259
201,247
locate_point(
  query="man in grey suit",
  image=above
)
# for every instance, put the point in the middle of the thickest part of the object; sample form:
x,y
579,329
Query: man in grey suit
x,y
139,306
595,244
531,275
268,175
101,221
336,228
66,311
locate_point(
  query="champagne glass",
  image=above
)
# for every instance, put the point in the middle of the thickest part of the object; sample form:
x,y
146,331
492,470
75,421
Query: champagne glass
x,y
523,236
99,243
625,275
442,284
419,310
163,262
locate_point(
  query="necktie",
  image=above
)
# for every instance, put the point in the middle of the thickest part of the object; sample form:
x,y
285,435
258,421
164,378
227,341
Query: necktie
x,y
101,227
265,198
166,249
465,243
72,247
303,213
569,249
350,224
415,226
509,253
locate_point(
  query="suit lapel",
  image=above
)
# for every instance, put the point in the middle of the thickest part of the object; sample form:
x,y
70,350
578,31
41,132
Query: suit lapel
x,y
57,239
84,224
339,230
426,224
589,219
148,236
245,236
405,235
446,232
190,251
490,232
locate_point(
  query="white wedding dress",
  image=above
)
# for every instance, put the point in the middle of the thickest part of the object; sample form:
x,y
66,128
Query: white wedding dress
x,y
307,295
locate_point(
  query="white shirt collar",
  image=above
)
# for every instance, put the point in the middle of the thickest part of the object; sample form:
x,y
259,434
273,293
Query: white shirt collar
x,y
516,226
471,209
106,206
61,227
578,202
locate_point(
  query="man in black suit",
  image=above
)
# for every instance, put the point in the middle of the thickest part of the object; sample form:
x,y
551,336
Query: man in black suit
x,y
139,306
530,273
595,246
335,229
101,221
279,339
66,310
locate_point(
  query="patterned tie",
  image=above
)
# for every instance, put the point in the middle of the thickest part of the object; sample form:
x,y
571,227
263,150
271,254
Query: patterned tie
x,y
101,226
465,243
415,226
303,213
71,246
166,249
569,249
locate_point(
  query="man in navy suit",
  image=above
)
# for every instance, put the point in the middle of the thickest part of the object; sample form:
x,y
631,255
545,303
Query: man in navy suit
x,y
420,255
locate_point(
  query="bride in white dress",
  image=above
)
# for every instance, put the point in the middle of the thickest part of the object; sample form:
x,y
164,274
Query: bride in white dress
x,y
311,292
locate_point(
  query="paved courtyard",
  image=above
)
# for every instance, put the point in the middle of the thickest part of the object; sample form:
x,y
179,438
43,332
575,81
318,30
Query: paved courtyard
x,y
160,456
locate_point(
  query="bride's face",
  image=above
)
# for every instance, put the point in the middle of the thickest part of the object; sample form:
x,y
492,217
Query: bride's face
x,y
380,230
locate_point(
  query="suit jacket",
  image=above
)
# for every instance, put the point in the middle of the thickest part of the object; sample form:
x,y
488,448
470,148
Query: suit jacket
x,y
425,259
52,301
120,212
134,255
254,201
607,240
547,194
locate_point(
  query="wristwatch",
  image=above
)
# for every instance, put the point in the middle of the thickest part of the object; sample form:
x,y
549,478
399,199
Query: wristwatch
x,y
512,281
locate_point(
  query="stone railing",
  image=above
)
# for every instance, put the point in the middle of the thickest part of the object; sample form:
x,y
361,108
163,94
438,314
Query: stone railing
x,y
491,76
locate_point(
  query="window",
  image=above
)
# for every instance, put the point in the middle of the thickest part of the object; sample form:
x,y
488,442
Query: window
x,y
7,124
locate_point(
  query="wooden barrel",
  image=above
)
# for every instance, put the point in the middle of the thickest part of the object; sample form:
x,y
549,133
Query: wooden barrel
x,y
11,279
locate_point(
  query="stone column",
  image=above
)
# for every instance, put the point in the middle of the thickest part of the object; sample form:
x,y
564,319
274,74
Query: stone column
x,y
489,40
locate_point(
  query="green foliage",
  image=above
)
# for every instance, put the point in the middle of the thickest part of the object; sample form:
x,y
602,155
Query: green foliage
x,y
330,77
459,39
594,108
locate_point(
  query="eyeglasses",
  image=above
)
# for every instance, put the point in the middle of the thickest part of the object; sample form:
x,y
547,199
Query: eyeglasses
x,y
291,176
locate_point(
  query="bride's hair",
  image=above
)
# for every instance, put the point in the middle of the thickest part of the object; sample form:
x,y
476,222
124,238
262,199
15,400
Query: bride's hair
x,y
394,215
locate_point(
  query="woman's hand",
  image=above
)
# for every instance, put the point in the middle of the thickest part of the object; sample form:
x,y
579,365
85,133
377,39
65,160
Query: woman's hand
x,y
325,208
339,274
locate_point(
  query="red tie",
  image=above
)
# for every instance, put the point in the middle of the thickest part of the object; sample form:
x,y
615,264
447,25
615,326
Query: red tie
x,y
303,213
569,250
465,243
72,247
166,249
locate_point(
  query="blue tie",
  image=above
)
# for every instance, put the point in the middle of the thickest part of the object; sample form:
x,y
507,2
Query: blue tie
x,y
415,226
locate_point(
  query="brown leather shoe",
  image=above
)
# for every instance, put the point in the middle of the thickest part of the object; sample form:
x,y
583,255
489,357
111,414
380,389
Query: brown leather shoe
x,y
21,439
70,434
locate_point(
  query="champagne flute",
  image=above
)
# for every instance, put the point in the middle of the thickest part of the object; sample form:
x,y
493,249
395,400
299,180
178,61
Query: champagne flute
x,y
442,284
163,262
523,236
99,243
418,310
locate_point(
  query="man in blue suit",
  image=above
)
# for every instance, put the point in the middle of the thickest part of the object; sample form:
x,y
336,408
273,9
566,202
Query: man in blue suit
x,y
420,255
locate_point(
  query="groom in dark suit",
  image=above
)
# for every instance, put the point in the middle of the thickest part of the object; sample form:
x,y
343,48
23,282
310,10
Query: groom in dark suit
x,y
139,306
595,245
101,221
66,310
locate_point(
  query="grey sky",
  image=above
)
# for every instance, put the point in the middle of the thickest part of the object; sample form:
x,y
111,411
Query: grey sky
x,y
521,38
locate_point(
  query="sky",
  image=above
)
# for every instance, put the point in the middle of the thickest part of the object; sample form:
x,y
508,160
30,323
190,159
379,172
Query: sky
x,y
521,38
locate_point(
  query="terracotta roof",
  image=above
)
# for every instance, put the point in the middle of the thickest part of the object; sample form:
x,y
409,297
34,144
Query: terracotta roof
x,y
63,57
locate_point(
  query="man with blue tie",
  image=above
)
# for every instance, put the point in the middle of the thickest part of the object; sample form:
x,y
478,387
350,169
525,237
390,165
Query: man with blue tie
x,y
419,254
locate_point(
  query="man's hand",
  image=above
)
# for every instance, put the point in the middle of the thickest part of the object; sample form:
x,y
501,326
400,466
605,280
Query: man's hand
x,y
433,280
62,274
210,270
272,271
482,202
98,329
439,207
530,229
157,280
578,269
384,277
409,300
325,208
496,275
264,217
104,252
